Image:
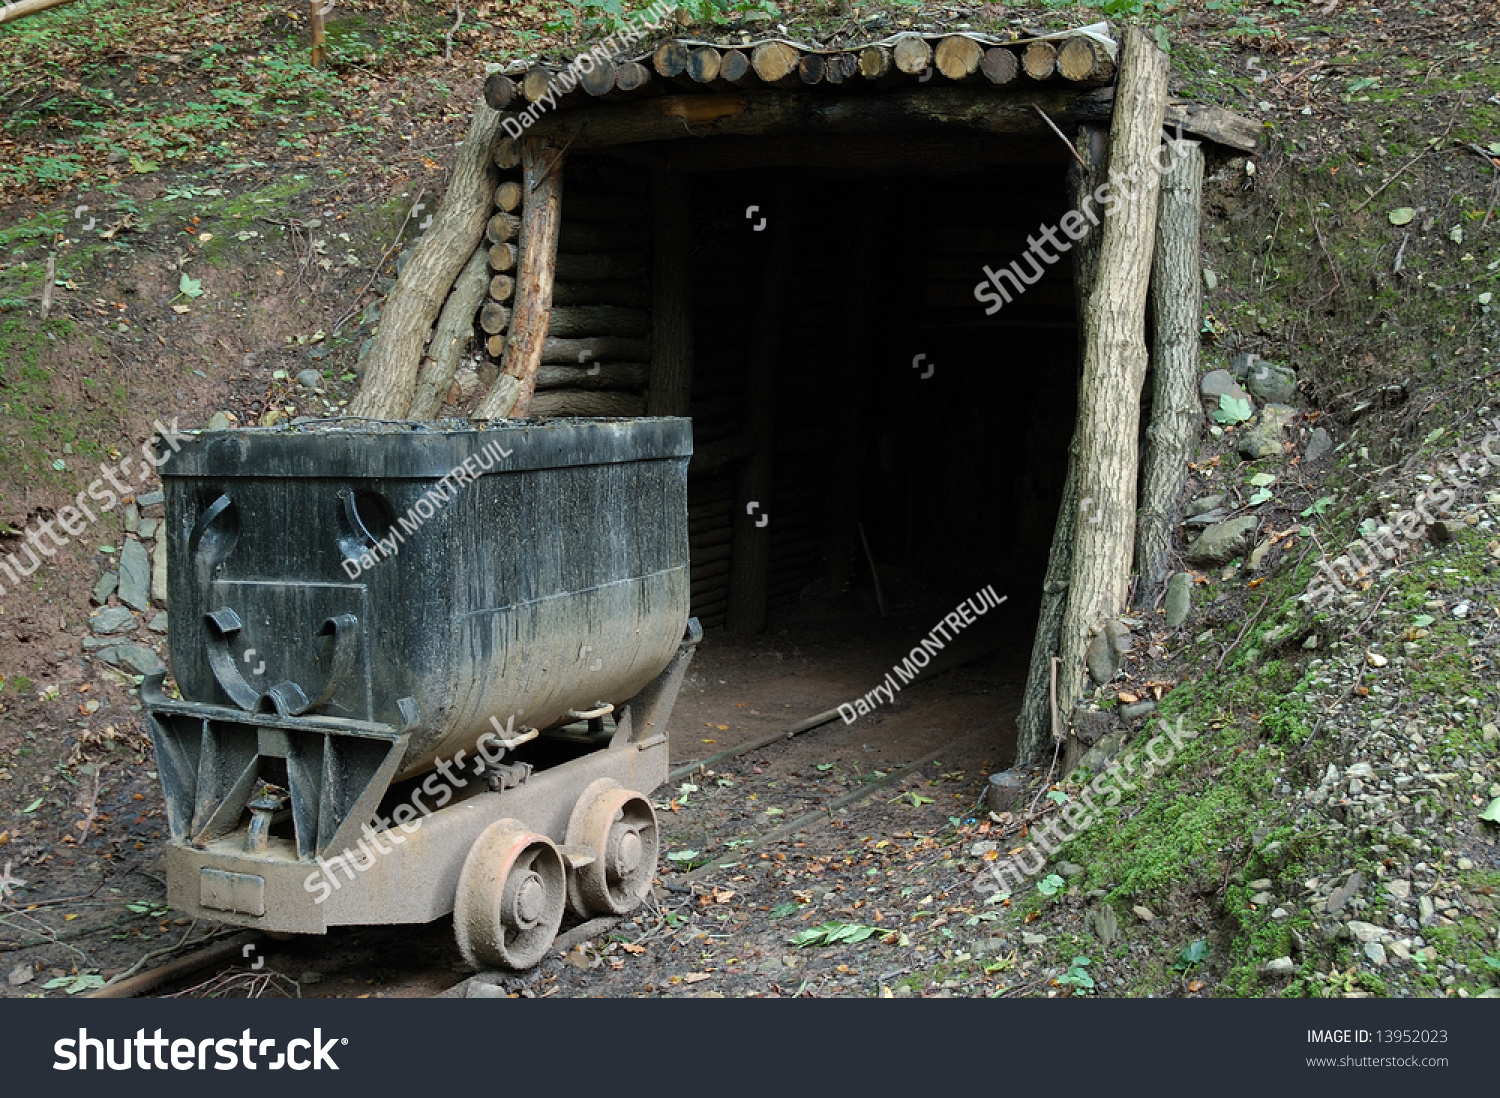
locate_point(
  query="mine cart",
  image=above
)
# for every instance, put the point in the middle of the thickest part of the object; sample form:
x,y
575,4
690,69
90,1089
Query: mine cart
x,y
422,670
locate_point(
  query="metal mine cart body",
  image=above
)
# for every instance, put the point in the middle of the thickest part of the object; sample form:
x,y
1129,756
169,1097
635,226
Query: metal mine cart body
x,y
422,671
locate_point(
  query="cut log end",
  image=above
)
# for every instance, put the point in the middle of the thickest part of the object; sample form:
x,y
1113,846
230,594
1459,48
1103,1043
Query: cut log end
x,y
912,54
502,287
632,76
502,257
600,79
670,59
1039,60
704,65
776,62
499,91
508,196
502,227
507,153
810,68
958,57
874,62
1000,66
493,318
734,67
1082,60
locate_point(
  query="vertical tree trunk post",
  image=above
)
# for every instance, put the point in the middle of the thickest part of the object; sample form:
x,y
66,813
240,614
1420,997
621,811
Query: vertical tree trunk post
x,y
1114,365
411,307
750,555
1177,305
1036,721
541,213
669,389
455,325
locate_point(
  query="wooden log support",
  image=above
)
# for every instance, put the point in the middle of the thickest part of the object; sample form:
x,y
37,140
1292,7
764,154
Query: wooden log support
x,y
958,57
502,228
627,292
605,375
1036,727
670,391
810,68
502,257
601,236
776,64
1084,61
586,402
596,206
704,65
508,196
911,54
839,68
585,268
499,91
507,154
572,352
535,83
875,63
631,77
750,566
1000,66
454,327
412,306
1039,60
502,287
542,175
1176,308
575,321
1114,367
670,59
735,69
599,81
493,318
950,107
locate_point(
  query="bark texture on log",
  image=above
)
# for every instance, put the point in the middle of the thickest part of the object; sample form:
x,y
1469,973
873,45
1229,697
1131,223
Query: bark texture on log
x,y
1177,304
1114,367
575,351
542,176
586,402
455,324
414,303
18,9
671,385
607,375
1035,721
575,321
950,107
630,293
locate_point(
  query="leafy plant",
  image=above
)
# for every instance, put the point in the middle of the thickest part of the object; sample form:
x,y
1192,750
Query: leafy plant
x,y
1077,976
833,934
1050,885
1192,956
1231,410
1319,507
83,981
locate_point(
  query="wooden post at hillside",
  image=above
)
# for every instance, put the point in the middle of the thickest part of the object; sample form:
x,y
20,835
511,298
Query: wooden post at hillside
x,y
315,18
1177,306
1035,722
19,8
750,553
389,381
669,390
1114,366
541,212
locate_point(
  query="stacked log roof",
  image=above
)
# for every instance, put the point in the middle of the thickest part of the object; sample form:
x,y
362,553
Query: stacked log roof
x,y
1077,61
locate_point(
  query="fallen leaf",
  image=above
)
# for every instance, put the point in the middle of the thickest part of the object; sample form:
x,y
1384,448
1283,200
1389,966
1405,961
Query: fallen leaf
x,y
694,977
631,947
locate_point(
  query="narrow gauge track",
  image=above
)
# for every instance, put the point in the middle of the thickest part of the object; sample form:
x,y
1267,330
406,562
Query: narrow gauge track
x,y
707,816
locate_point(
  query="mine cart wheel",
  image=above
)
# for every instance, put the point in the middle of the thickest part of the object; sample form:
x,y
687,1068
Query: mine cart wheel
x,y
618,826
510,899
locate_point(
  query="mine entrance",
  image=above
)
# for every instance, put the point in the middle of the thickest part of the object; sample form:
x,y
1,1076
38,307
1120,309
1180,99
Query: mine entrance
x,y
902,449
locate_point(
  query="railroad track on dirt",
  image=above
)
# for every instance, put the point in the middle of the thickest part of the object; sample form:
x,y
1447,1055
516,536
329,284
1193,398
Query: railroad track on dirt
x,y
222,966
